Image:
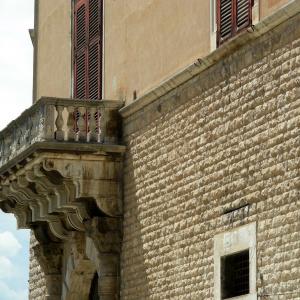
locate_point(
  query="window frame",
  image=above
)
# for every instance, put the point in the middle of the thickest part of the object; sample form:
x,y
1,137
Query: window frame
x,y
231,242
214,43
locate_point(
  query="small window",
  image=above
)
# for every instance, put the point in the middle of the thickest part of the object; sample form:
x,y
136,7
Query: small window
x,y
235,263
235,275
232,17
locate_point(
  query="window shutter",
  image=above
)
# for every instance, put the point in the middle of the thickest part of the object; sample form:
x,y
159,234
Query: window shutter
x,y
232,17
80,75
80,24
243,13
225,21
80,49
88,43
95,49
94,71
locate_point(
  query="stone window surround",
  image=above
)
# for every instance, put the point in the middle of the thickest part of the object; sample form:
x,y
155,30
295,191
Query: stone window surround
x,y
230,242
213,21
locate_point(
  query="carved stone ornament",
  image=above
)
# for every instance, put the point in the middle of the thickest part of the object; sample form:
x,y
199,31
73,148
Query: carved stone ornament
x,y
60,163
63,190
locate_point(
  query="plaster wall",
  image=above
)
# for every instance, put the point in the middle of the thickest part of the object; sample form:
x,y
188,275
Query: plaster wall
x,y
145,43
148,41
53,49
267,7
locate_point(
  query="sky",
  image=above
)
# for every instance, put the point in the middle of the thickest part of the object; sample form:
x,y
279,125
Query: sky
x,y
16,52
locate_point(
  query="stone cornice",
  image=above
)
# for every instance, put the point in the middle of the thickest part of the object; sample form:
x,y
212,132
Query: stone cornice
x,y
202,64
80,148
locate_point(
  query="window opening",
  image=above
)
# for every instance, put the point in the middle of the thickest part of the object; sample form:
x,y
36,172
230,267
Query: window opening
x,y
235,274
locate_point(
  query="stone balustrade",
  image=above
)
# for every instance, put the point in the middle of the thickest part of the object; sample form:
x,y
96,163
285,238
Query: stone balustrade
x,y
68,121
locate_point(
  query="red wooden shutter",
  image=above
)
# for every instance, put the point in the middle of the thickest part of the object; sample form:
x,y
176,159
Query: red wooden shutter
x,y
80,49
225,19
243,14
95,49
232,17
88,43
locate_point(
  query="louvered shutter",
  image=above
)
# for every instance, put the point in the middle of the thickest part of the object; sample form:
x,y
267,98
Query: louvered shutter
x,y
232,17
80,70
88,43
225,19
95,50
243,14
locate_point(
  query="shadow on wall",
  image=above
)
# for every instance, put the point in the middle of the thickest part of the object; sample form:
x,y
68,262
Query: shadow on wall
x,y
134,277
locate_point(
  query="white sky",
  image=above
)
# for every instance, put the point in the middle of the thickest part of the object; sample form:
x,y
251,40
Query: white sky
x,y
16,17
16,51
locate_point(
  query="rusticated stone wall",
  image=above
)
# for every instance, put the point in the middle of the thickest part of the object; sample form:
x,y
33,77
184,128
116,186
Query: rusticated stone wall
x,y
37,283
229,137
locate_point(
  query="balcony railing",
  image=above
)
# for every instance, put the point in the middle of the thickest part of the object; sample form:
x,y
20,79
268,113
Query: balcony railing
x,y
52,121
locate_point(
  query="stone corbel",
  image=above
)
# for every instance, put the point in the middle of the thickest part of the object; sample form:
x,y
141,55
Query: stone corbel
x,y
94,177
64,189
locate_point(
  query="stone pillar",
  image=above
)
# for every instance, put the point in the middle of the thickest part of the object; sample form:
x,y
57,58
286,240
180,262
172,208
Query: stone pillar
x,y
49,255
103,248
108,279
54,286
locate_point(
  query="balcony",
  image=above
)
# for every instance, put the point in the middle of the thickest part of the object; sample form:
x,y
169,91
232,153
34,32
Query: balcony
x,y
61,163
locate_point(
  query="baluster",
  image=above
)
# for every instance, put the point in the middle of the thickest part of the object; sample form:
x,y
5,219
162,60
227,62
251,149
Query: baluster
x,y
49,115
19,138
102,123
59,133
14,142
93,125
35,119
71,123
82,124
98,120
29,129
22,137
2,151
41,123
7,148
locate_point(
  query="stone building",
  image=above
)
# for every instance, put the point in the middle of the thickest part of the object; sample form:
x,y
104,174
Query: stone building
x,y
185,183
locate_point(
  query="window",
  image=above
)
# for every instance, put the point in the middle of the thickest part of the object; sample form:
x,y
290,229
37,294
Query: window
x,y
235,264
88,45
232,17
235,274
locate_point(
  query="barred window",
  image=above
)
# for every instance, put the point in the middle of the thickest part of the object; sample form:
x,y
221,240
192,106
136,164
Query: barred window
x,y
235,274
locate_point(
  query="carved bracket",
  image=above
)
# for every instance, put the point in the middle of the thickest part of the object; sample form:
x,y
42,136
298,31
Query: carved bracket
x,y
63,190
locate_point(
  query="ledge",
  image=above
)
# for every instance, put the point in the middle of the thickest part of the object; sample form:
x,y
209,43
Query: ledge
x,y
288,11
64,147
